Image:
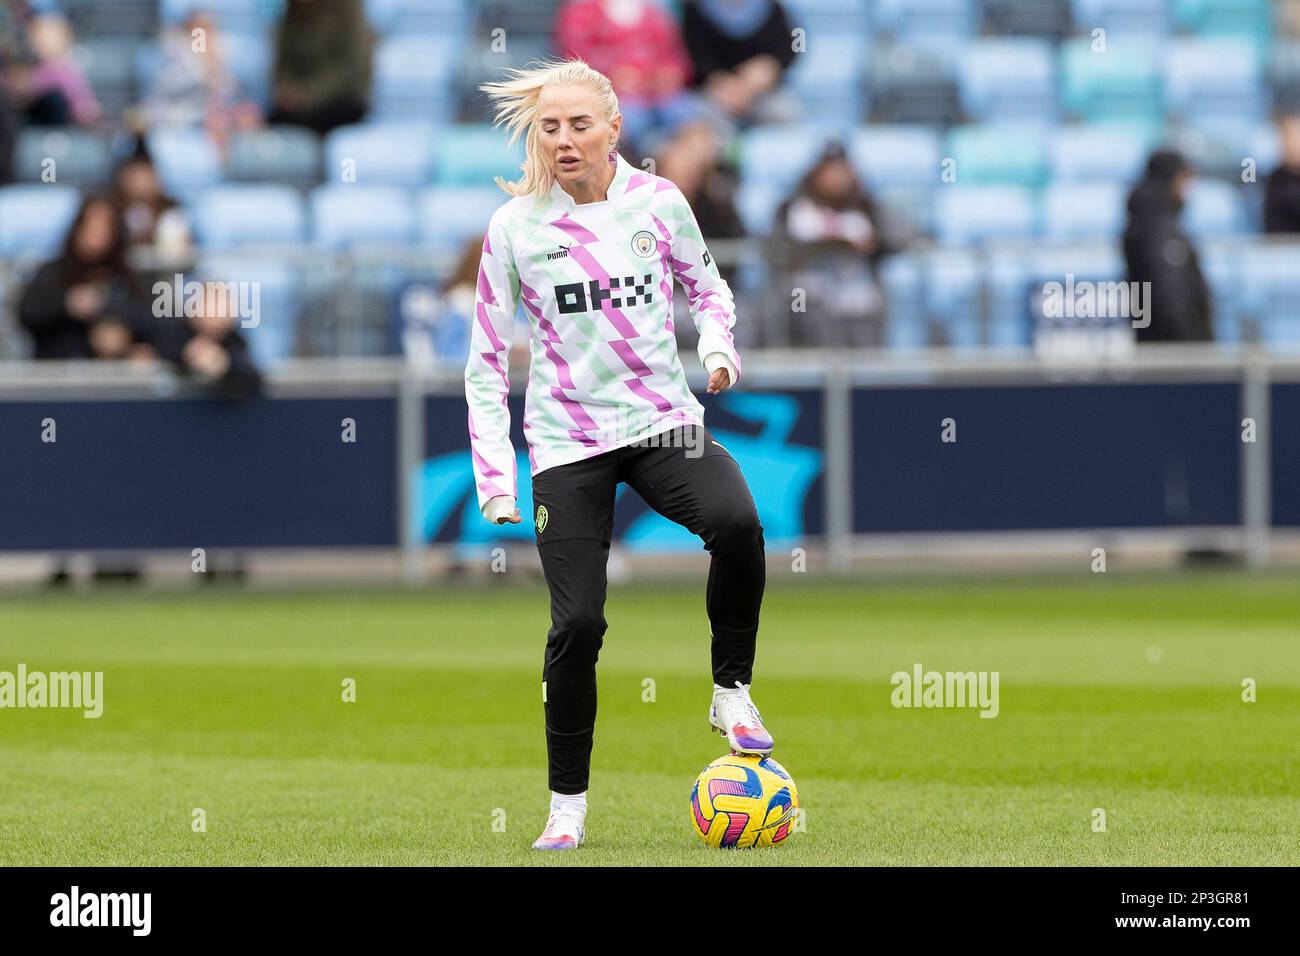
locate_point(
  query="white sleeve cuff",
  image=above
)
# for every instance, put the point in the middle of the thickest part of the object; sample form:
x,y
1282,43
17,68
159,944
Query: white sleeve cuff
x,y
716,360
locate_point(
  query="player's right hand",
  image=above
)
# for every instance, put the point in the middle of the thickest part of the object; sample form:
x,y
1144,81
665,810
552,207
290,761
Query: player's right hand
x,y
502,510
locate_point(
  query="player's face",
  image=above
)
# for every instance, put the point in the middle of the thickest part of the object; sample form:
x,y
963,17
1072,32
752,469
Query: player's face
x,y
573,132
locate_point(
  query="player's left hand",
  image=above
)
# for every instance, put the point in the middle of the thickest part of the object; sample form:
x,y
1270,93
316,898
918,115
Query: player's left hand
x,y
718,381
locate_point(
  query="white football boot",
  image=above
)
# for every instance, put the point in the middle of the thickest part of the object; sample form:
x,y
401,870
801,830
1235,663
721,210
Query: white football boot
x,y
564,828
735,717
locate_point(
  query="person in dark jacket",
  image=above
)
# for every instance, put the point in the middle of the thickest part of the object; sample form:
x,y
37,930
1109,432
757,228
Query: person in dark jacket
x,y
207,345
323,56
1158,251
740,50
1282,192
87,303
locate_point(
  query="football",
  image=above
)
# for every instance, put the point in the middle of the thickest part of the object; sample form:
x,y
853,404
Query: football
x,y
741,801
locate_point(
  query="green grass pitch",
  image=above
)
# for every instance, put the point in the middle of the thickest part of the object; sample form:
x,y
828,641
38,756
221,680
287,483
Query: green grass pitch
x,y
1118,691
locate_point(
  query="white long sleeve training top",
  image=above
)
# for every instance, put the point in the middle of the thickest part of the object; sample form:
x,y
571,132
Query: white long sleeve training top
x,y
596,281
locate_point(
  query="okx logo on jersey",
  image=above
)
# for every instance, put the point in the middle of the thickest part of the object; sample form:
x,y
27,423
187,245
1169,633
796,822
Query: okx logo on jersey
x,y
590,296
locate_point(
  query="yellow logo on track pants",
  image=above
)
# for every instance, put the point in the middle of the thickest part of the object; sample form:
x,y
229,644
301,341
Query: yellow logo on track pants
x,y
542,517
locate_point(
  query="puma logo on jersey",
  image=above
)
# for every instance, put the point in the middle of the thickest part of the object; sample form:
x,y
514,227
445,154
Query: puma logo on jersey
x,y
589,296
562,253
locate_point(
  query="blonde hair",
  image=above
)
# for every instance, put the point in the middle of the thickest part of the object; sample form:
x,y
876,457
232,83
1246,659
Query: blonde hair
x,y
515,103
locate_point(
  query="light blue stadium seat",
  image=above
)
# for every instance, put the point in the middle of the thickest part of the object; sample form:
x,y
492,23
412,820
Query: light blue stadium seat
x,y
1214,208
915,19
965,213
250,55
828,76
231,216
1121,83
1012,78
413,77
285,154
1147,18
348,215
472,154
902,278
73,156
1083,211
952,289
405,17
387,154
1270,295
1218,77
1101,152
1248,18
757,202
989,153
820,18
886,156
34,219
780,154
186,159
451,215
229,14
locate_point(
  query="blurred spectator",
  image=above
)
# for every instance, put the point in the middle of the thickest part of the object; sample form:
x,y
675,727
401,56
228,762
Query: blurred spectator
x,y
154,220
740,49
1158,251
436,325
637,44
1282,192
8,133
50,87
208,345
193,86
86,303
833,233
13,50
322,64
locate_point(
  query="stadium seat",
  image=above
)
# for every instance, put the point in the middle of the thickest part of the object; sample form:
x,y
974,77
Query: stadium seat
x,y
109,65
829,17
1103,152
408,17
74,156
186,159
412,78
902,279
780,154
348,215
1214,208
1083,211
970,214
387,154
828,77
231,216
1248,18
100,18
914,84
1122,82
1044,19
449,216
472,154
907,20
757,202
1270,293
250,56
1146,18
283,154
999,153
239,15
35,219
952,290
1008,79
1214,78
480,64
887,156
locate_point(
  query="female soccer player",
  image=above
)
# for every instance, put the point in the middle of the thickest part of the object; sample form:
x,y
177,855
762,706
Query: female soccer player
x,y
592,245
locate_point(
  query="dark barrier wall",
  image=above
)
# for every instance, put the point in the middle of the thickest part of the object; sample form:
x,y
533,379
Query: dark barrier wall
x,y
1284,412
197,473
1046,457
775,436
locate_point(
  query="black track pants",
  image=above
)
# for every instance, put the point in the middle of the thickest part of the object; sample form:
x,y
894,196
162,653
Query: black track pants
x,y
686,476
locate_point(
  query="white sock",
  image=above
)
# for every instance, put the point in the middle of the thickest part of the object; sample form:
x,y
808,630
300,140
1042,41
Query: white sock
x,y
719,689
576,800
